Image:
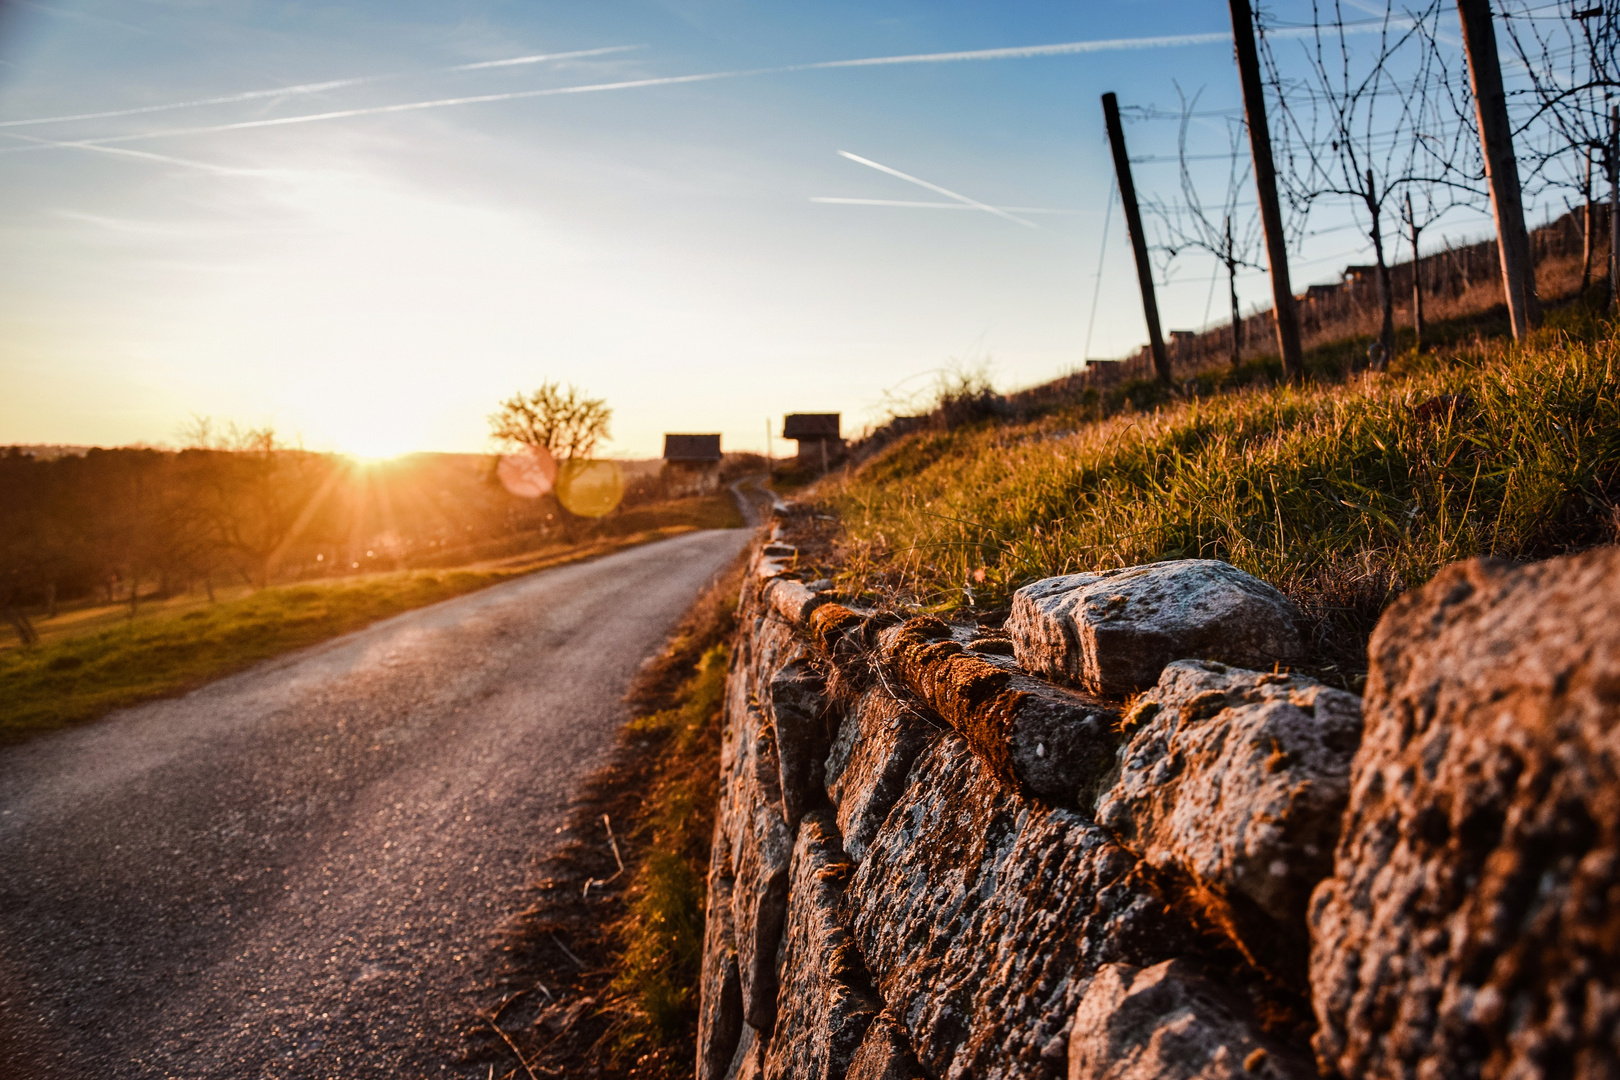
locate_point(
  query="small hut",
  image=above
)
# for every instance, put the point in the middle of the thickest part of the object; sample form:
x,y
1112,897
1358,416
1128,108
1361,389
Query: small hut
x,y
691,465
820,443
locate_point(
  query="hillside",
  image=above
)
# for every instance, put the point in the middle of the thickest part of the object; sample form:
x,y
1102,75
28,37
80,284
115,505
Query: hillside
x,y
1343,492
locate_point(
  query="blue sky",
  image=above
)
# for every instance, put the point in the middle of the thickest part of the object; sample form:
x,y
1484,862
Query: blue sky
x,y
375,282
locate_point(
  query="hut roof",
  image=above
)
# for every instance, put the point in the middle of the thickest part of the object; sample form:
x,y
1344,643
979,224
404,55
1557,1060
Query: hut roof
x,y
810,426
691,448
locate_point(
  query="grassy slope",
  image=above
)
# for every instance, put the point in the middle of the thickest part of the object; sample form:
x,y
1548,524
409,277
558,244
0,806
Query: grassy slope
x,y
1342,494
111,663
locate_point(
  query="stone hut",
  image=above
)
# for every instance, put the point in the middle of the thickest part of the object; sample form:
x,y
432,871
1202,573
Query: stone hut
x,y
820,443
691,464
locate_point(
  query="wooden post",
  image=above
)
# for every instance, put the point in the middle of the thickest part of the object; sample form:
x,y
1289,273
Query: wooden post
x,y
1133,222
1265,182
1231,289
1501,169
1614,206
1417,277
1586,228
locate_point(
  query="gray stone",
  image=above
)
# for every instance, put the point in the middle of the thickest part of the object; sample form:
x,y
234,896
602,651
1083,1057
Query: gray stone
x,y
980,914
749,816
1113,632
793,600
1169,1022
877,743
884,1054
798,705
720,1019
1049,742
825,1003
1472,925
1232,784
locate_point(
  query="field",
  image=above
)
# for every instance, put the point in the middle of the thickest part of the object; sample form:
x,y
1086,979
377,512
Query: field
x,y
96,659
1342,492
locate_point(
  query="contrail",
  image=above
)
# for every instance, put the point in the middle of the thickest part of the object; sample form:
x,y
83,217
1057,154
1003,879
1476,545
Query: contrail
x,y
1016,52
315,87
987,208
842,201
222,170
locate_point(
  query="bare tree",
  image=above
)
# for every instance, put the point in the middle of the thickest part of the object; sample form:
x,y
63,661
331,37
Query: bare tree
x,y
1374,126
1568,63
564,423
1190,226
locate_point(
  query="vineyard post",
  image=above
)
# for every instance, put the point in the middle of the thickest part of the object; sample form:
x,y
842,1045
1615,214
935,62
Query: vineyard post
x,y
1265,181
1133,222
1501,169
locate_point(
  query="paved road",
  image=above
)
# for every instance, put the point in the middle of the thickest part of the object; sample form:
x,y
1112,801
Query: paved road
x,y
296,871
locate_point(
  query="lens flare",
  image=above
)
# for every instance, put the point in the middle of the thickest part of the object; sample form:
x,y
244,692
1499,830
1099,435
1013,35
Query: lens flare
x,y
590,488
529,473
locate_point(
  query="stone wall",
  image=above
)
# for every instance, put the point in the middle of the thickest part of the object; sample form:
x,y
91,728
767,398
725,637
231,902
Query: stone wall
x,y
1103,840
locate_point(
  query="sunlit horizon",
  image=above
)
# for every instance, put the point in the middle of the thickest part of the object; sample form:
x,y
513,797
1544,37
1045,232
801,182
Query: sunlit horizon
x,y
365,229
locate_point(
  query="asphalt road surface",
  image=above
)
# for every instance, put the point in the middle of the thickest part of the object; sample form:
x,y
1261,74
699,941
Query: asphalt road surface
x,y
298,871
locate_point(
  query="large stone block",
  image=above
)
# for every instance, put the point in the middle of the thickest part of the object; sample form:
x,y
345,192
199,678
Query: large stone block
x,y
825,1003
1170,1022
980,915
884,1054
1051,743
797,698
1232,785
1114,631
720,1019
878,740
1472,926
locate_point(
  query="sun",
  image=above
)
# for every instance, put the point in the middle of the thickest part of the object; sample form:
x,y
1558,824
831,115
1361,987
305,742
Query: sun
x,y
376,442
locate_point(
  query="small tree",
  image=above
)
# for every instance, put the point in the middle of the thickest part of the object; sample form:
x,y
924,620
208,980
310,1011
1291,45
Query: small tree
x,y
564,423
1190,226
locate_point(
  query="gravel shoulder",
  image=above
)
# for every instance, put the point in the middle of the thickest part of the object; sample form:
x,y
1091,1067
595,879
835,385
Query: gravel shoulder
x,y
300,871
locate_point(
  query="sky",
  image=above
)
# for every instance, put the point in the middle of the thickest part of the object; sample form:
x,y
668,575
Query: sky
x,y
365,223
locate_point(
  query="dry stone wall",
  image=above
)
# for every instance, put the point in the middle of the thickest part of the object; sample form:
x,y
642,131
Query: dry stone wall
x,y
946,851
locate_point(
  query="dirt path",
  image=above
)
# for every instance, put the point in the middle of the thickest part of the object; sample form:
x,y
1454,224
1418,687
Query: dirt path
x,y
297,871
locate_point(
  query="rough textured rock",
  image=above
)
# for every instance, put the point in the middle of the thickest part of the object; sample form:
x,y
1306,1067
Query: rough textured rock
x,y
980,914
798,707
1113,632
884,1054
1232,784
749,1061
825,1002
720,1019
1052,743
793,600
877,743
1169,1022
1472,927
760,844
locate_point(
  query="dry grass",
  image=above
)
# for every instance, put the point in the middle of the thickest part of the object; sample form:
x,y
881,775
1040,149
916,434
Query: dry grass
x,y
1341,493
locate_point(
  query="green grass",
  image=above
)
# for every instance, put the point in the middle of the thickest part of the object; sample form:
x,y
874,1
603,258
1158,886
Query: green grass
x,y
76,678
1341,493
662,933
